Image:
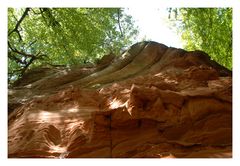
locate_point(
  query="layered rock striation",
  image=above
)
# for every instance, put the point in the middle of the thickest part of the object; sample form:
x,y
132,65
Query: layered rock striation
x,y
153,101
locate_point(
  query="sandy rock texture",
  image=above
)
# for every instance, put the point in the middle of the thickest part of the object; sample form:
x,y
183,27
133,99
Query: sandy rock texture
x,y
152,101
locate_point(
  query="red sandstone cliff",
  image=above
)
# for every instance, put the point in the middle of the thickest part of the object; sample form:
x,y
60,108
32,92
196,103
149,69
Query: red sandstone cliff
x,y
152,101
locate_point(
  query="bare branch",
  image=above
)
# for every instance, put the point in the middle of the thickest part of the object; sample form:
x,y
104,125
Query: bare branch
x,y
11,48
37,12
18,60
18,24
119,23
25,62
32,43
25,54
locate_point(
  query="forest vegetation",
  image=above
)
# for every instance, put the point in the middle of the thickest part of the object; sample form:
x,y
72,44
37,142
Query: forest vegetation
x,y
73,36
64,36
207,29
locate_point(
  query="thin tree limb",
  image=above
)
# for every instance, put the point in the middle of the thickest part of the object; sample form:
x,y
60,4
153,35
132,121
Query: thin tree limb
x,y
23,53
119,23
18,24
32,43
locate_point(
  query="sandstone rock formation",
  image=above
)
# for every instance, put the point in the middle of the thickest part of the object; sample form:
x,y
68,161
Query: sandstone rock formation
x,y
152,101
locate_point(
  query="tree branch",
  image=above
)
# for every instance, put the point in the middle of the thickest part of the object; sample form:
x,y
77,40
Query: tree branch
x,y
24,62
50,20
119,23
23,53
27,65
18,60
32,43
37,12
18,24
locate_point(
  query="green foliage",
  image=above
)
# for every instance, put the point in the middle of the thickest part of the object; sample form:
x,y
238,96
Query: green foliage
x,y
207,29
65,36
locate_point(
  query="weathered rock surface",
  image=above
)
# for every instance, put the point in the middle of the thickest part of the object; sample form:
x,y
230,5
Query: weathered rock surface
x,y
152,101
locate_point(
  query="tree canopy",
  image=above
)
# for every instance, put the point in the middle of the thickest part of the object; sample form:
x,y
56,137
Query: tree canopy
x,y
64,36
69,36
207,29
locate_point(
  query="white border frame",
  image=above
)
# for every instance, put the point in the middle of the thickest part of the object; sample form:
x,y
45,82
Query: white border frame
x,y
235,4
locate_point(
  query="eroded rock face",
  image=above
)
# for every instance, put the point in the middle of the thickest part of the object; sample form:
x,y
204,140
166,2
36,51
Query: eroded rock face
x,y
152,101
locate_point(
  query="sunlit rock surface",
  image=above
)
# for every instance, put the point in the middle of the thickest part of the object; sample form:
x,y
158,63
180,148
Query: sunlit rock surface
x,y
152,101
